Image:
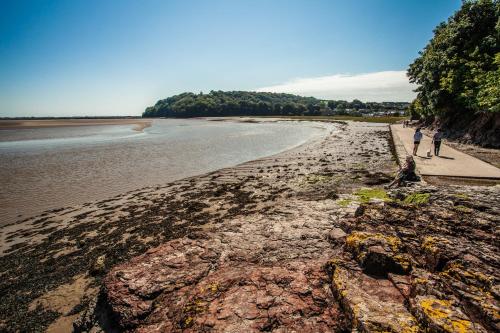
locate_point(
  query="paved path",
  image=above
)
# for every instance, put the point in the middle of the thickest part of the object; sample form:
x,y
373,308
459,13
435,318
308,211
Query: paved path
x,y
451,162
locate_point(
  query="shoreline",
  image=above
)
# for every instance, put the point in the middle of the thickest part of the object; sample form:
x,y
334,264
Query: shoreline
x,y
192,204
140,124
239,235
14,225
16,218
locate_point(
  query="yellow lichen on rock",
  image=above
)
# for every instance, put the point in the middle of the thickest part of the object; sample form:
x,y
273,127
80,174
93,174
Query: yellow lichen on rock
x,y
357,238
377,253
441,314
213,287
430,243
372,305
403,261
471,277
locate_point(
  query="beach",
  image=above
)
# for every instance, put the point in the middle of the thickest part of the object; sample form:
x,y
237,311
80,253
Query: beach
x,y
139,124
248,248
48,168
69,240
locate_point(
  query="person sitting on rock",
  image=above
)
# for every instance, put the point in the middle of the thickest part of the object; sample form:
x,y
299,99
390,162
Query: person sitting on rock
x,y
406,173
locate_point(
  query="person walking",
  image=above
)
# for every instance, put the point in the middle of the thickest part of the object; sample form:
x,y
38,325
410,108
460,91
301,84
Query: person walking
x,y
417,137
436,140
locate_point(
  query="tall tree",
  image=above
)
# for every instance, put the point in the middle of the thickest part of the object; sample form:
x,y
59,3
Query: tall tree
x,y
458,71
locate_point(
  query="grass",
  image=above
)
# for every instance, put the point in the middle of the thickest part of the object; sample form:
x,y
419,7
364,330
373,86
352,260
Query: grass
x,y
382,119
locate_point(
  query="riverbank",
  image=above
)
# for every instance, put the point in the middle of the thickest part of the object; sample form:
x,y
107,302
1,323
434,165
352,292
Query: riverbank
x,y
255,247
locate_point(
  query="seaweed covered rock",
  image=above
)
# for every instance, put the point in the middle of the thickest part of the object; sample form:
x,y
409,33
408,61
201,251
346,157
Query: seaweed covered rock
x,y
378,254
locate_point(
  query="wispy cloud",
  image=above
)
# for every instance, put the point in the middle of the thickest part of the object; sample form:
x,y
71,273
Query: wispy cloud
x,y
372,87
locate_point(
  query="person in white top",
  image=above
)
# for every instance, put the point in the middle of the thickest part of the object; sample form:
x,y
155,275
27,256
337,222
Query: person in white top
x,y
417,137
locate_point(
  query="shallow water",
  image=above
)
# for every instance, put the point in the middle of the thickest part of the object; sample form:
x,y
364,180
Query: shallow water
x,y
46,168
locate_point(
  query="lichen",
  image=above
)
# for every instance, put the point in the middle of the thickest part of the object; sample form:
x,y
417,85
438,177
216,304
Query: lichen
x,y
188,321
197,306
417,198
357,238
408,324
339,281
402,261
213,287
430,243
470,277
367,194
440,312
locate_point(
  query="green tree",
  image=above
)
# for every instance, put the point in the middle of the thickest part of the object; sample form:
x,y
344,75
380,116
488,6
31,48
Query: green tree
x,y
458,70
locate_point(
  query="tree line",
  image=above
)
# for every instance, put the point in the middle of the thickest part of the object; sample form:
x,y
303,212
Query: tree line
x,y
246,103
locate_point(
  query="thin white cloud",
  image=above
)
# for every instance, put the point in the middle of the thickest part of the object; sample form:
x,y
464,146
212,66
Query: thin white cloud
x,y
369,87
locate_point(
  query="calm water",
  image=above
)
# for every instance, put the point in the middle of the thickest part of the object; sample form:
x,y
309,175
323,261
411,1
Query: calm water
x,y
47,168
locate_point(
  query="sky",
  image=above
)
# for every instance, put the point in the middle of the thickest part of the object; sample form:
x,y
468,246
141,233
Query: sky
x,y
104,57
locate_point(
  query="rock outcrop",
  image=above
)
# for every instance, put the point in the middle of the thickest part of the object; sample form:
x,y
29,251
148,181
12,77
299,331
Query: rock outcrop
x,y
424,267
288,243
397,267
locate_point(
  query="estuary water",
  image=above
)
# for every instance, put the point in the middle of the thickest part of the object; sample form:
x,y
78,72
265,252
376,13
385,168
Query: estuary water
x,y
47,168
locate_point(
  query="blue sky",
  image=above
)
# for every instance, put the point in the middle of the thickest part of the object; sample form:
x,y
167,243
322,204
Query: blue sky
x,y
63,58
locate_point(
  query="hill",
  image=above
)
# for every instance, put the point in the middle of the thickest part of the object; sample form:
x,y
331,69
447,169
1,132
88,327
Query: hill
x,y
246,103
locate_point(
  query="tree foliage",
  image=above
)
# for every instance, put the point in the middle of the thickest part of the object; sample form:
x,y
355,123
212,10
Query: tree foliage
x,y
459,69
245,103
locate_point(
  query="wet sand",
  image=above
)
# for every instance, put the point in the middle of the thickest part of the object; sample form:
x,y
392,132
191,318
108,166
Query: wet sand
x,y
140,124
57,247
50,168
272,213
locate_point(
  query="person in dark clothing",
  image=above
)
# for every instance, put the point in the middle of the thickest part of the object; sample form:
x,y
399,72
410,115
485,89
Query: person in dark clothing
x,y
417,137
436,140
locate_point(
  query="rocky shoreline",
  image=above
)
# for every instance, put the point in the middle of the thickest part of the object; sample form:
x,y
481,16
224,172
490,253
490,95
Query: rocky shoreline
x,y
304,240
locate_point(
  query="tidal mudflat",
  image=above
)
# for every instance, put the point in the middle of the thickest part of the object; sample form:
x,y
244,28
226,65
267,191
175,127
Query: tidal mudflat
x,y
304,239
58,164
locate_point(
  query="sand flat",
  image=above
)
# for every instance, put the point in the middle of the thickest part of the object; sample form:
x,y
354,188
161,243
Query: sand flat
x,y
37,123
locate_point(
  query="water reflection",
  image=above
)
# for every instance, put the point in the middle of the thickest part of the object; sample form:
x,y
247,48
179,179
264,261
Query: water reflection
x,y
49,168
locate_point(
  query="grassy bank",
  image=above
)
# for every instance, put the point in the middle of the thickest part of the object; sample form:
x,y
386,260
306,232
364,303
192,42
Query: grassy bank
x,y
384,119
